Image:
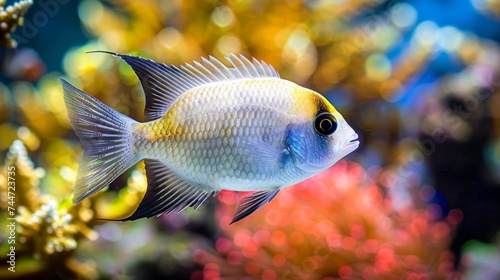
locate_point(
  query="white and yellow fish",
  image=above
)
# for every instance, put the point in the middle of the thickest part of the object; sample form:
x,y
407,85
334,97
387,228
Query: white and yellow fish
x,y
211,128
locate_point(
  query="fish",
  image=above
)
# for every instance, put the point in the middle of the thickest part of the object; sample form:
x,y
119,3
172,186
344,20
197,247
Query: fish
x,y
209,127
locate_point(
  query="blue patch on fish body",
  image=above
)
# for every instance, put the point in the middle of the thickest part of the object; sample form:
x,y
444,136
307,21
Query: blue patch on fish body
x,y
305,147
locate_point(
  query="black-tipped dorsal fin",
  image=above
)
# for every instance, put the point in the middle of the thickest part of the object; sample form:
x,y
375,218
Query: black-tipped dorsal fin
x,y
159,82
252,203
163,84
166,192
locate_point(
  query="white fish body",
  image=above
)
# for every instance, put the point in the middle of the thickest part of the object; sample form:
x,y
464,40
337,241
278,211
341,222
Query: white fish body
x,y
212,128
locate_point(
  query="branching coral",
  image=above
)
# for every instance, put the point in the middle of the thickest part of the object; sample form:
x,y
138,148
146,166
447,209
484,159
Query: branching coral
x,y
27,177
47,228
10,18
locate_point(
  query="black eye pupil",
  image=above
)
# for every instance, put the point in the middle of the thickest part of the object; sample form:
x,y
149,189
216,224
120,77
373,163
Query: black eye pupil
x,y
325,124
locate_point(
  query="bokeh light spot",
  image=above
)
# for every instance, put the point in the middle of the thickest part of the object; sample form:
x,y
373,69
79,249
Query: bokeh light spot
x,y
378,67
348,243
234,257
360,253
242,238
223,16
345,272
268,275
252,268
279,260
385,254
250,250
450,39
169,37
403,15
426,34
278,238
358,231
334,241
455,216
223,245
228,44
211,271
262,237
440,230
200,256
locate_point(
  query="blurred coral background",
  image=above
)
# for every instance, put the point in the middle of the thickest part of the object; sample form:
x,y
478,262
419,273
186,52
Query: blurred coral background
x,y
418,80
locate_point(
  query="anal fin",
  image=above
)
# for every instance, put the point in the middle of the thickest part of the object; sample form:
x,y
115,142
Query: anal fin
x,y
166,193
251,203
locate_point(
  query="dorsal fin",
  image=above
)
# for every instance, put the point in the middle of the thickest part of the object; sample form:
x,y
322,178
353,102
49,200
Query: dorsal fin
x,y
163,84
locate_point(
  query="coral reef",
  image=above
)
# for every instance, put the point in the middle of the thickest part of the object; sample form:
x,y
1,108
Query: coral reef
x,y
339,224
10,18
47,228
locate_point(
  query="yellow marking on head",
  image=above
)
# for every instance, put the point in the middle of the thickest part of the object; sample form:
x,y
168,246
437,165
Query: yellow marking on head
x,y
308,103
304,102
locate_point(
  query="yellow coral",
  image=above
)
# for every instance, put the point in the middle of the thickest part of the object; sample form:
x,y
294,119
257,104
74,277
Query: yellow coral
x,y
45,226
47,230
52,228
10,18
27,177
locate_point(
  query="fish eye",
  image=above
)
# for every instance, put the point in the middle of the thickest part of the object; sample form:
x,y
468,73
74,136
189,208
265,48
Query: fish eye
x,y
325,124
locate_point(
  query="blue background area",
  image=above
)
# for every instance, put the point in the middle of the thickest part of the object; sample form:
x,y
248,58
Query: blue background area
x,y
457,13
51,40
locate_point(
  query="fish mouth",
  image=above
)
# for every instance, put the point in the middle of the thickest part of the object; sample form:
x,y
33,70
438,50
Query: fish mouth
x,y
352,144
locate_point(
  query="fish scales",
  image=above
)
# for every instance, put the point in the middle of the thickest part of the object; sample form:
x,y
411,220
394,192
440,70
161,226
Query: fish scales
x,y
210,141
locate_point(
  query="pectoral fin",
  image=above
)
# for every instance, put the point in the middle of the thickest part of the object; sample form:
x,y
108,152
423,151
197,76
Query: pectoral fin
x,y
259,151
251,203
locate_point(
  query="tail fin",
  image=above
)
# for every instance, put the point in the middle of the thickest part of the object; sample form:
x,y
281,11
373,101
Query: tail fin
x,y
106,136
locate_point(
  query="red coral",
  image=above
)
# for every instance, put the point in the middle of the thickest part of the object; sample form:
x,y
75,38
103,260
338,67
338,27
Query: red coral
x,y
337,224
